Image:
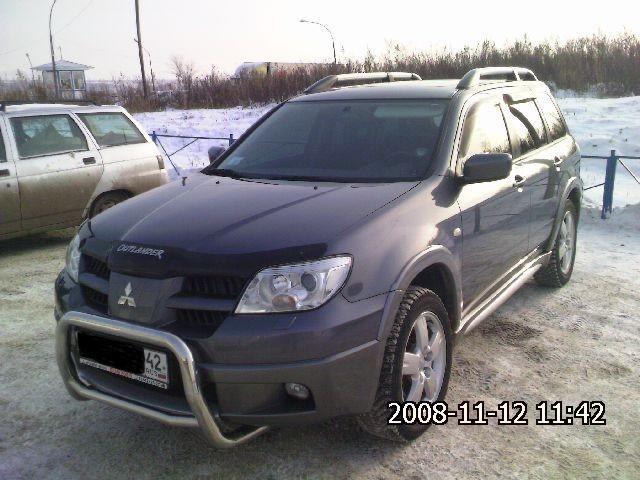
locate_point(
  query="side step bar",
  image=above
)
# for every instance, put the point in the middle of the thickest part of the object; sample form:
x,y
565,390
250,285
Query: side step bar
x,y
203,416
490,305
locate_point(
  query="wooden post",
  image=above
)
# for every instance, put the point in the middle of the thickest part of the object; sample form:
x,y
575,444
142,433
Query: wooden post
x,y
140,55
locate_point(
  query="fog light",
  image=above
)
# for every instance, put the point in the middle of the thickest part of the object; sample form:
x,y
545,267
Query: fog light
x,y
297,391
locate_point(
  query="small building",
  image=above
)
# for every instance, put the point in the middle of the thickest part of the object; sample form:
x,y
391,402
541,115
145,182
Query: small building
x,y
71,79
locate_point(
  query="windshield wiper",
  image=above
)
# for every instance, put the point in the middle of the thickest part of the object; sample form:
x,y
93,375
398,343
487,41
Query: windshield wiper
x,y
226,172
300,178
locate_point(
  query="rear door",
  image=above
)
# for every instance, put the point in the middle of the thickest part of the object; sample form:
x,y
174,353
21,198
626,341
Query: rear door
x,y
58,169
9,194
535,160
495,215
129,157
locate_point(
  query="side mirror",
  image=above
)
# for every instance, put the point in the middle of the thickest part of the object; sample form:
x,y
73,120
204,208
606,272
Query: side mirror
x,y
486,167
214,152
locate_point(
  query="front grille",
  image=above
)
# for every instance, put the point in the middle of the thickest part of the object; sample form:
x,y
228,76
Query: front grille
x,y
97,267
96,300
214,286
201,318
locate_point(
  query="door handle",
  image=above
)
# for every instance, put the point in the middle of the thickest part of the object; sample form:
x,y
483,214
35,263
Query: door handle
x,y
518,181
4,173
89,160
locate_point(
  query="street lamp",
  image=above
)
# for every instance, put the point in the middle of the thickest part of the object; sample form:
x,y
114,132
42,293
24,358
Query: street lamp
x,y
53,58
333,42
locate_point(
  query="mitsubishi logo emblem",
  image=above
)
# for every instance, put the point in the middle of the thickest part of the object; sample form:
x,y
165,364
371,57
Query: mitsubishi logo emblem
x,y
127,299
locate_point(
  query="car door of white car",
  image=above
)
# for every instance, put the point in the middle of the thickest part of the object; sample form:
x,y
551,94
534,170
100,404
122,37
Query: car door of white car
x,y
58,169
9,194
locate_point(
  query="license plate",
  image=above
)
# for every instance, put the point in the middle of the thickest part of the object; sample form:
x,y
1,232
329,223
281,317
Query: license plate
x,y
155,366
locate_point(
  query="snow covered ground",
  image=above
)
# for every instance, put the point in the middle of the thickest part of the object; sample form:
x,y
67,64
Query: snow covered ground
x,y
599,125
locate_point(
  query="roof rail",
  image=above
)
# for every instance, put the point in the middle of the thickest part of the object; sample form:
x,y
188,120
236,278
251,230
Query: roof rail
x,y
333,81
475,77
8,103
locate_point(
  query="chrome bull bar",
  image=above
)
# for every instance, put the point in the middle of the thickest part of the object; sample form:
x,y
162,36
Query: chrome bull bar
x,y
204,416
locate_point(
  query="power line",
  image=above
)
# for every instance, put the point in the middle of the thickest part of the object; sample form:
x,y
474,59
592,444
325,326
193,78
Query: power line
x,y
45,36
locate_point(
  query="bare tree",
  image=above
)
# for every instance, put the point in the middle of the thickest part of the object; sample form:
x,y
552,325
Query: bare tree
x,y
185,73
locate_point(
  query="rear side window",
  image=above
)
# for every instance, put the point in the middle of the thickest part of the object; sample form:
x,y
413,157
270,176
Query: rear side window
x,y
47,135
557,128
3,152
111,129
484,131
528,125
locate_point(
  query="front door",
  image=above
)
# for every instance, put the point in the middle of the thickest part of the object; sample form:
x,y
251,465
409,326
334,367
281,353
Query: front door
x,y
58,169
495,215
9,195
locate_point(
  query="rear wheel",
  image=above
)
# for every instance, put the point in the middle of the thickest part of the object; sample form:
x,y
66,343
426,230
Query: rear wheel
x,y
560,267
106,201
416,364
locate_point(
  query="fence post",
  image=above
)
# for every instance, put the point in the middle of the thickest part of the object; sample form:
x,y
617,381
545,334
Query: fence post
x,y
154,137
231,139
609,181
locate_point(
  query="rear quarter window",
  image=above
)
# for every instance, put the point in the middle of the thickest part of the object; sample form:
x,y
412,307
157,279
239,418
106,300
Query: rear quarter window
x,y
557,127
112,129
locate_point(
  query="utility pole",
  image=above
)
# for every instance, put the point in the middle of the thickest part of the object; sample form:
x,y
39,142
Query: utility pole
x,y
140,55
53,58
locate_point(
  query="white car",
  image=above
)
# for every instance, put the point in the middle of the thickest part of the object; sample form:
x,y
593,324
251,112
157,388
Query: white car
x,y
62,163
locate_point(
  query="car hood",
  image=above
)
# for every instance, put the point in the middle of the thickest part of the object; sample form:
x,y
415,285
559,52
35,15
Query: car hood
x,y
224,216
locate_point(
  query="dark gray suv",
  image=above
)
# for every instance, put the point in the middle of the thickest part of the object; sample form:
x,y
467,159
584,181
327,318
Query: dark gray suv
x,y
325,263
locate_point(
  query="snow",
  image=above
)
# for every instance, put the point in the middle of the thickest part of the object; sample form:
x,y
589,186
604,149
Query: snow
x,y
598,124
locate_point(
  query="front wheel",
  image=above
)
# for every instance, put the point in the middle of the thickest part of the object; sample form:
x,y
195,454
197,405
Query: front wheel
x,y
416,364
560,267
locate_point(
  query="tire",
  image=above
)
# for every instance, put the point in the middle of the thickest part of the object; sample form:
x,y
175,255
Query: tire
x,y
106,201
417,305
560,267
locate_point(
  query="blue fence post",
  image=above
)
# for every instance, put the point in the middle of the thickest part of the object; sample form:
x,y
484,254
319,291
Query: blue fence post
x,y
231,139
154,137
609,181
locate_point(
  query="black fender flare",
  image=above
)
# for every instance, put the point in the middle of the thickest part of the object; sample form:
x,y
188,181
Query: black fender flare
x,y
433,255
572,184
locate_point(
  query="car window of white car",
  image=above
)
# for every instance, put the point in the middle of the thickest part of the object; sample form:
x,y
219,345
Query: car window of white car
x,y
41,135
112,129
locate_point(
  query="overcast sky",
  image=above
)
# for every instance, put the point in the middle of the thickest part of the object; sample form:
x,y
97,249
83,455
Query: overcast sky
x,y
226,33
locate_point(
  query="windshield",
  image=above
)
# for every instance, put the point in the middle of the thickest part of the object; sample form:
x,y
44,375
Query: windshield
x,y
343,141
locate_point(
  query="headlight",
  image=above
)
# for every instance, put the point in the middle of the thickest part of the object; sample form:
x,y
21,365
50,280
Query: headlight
x,y
290,288
73,258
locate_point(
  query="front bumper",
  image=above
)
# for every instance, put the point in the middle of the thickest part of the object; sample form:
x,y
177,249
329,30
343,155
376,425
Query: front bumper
x,y
202,415
220,391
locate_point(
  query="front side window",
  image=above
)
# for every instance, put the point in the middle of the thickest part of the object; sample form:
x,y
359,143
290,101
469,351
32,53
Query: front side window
x,y
484,131
47,135
525,119
111,129
348,141
557,128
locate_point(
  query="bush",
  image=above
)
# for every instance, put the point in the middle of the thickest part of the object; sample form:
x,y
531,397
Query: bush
x,y
606,66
